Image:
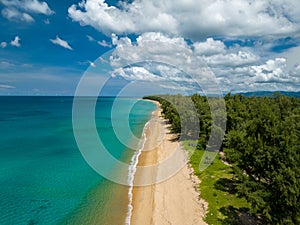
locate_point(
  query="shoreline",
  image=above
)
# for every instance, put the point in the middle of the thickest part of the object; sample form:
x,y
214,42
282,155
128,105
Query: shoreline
x,y
173,201
131,174
135,162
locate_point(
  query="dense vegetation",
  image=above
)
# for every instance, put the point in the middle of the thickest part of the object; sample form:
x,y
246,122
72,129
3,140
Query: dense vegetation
x,y
262,142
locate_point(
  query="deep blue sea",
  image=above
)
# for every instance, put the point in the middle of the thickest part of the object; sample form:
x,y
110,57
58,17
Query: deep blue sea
x,y
44,178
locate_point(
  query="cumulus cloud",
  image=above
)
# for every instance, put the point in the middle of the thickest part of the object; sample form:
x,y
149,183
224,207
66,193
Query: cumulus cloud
x,y
150,46
160,78
135,73
193,19
182,33
274,70
3,44
34,6
209,47
235,68
239,58
155,57
16,42
270,75
60,42
210,52
20,10
127,19
14,14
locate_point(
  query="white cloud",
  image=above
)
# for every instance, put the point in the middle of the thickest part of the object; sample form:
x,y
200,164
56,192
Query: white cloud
x,y
183,32
150,46
21,10
60,42
239,58
236,68
176,88
162,38
209,47
16,42
160,59
104,43
160,78
14,14
37,7
33,6
135,73
271,71
90,38
191,19
3,44
210,52
272,75
128,20
5,86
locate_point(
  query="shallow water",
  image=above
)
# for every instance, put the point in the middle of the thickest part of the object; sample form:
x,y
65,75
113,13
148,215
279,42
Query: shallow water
x,y
43,177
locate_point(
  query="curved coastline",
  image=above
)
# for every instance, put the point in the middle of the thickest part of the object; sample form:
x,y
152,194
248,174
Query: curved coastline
x,y
115,207
135,162
174,201
131,174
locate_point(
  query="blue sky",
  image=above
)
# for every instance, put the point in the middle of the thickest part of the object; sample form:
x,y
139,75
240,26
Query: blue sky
x,y
46,46
38,66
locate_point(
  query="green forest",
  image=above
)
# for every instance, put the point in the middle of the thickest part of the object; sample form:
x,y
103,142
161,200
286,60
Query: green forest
x,y
261,142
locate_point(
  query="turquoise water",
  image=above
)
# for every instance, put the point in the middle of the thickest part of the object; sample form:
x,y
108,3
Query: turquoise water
x,y
43,177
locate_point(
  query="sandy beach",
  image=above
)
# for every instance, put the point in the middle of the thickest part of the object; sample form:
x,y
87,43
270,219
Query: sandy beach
x,y
173,201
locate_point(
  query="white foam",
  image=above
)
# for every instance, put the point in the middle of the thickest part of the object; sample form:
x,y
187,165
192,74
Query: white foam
x,y
131,173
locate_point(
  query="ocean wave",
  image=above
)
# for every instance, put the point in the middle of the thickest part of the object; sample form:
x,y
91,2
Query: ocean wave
x,y
131,173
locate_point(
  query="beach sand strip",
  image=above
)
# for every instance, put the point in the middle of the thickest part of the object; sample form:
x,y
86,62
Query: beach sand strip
x,y
174,201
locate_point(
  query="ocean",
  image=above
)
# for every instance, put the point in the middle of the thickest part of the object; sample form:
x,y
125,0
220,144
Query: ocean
x,y
44,179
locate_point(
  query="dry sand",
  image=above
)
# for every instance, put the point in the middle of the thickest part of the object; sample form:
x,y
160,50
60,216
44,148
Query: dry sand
x,y
174,201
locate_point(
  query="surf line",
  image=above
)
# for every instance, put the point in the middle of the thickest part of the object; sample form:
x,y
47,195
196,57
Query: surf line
x,y
131,173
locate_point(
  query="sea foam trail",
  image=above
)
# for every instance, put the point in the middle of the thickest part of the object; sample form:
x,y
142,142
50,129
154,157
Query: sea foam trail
x,y
131,173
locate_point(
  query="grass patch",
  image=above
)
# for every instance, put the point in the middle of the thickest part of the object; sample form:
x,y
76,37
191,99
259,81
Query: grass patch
x,y
218,189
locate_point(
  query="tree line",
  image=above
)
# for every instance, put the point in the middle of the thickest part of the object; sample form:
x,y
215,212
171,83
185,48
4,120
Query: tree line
x,y
261,141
